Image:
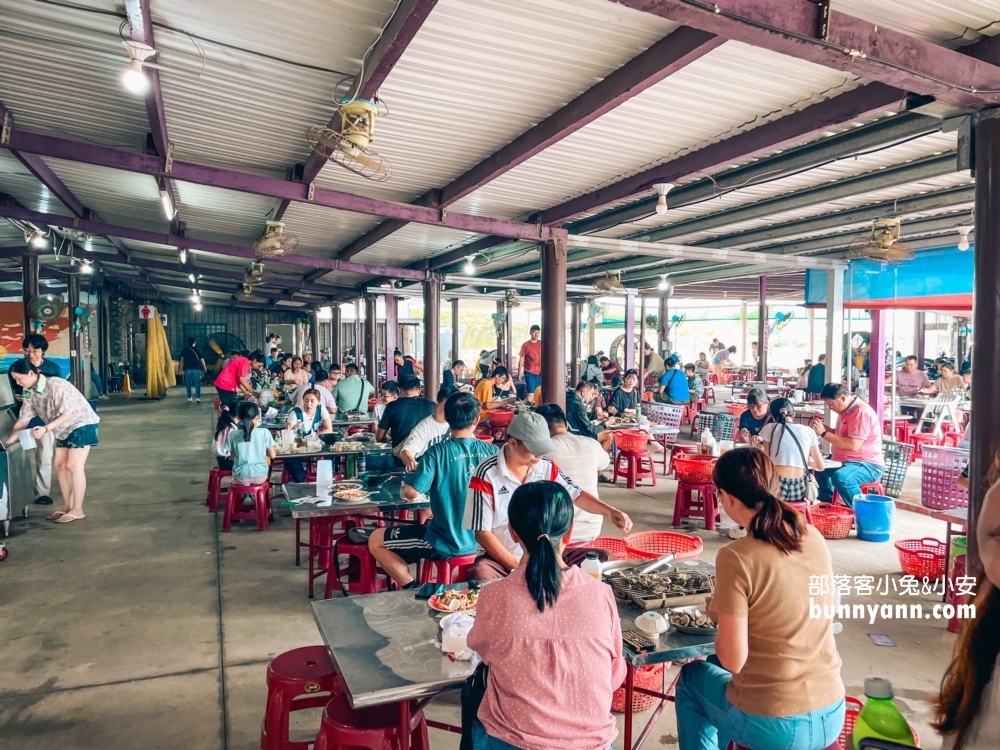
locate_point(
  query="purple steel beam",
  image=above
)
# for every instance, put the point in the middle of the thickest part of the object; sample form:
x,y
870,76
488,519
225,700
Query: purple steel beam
x,y
396,37
791,129
814,32
876,364
91,153
660,61
219,248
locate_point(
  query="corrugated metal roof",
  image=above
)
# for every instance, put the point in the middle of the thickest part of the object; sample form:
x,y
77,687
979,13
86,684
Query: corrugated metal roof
x,y
940,21
216,214
481,72
732,89
413,242
322,231
17,181
119,197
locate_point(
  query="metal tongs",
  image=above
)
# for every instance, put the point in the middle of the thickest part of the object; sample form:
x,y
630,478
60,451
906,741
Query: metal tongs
x,y
670,557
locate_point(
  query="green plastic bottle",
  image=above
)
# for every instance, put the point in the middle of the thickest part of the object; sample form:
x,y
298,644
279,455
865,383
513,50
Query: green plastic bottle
x,y
880,719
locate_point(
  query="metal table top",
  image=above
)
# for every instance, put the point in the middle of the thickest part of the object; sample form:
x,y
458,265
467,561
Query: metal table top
x,y
325,451
281,424
384,646
959,516
379,500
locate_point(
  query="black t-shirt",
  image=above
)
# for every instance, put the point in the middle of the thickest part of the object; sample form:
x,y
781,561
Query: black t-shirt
x,y
622,400
402,415
576,416
191,358
751,424
448,379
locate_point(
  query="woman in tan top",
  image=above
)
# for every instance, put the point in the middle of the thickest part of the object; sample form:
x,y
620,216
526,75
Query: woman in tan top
x,y
775,680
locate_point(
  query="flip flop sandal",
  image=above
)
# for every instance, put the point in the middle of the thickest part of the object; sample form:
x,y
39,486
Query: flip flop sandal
x,y
69,517
55,516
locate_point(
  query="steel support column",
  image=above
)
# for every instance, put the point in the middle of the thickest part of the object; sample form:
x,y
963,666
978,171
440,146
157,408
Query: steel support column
x,y
664,329
876,364
834,327
336,334
314,334
762,332
554,322
75,338
501,326
985,419
743,332
455,338
575,327
432,336
391,334
29,285
919,338
508,337
358,344
629,332
591,329
641,354
371,338
811,317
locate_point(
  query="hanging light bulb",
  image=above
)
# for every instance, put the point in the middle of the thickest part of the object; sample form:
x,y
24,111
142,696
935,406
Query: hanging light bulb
x,y
963,238
662,188
37,239
184,256
470,267
197,307
664,284
134,78
191,278
86,268
195,298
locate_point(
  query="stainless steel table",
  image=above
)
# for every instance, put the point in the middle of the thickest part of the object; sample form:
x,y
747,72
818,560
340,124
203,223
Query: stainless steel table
x,y
303,500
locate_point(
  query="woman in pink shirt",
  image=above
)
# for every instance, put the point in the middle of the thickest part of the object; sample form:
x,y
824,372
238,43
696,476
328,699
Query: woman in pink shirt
x,y
551,637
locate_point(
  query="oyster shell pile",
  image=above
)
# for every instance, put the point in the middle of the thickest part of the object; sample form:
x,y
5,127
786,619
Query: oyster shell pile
x,y
692,618
669,584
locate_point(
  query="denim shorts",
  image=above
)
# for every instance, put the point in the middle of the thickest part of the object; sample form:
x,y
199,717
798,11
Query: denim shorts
x,y
81,437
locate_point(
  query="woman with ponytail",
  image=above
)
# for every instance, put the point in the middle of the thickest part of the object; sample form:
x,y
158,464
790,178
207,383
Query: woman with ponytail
x,y
775,680
551,637
250,445
794,450
968,709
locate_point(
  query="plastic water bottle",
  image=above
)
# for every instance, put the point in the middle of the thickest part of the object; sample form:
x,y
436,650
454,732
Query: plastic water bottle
x,y
880,719
592,565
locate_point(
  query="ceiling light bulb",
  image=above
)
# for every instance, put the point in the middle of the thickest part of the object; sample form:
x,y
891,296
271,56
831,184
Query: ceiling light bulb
x,y
85,268
134,78
38,240
197,307
662,188
663,282
963,238
168,204
184,256
191,278
470,267
195,298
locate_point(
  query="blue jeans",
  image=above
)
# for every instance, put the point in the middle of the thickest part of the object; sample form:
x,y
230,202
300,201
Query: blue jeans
x,y
847,480
192,381
483,741
707,720
531,382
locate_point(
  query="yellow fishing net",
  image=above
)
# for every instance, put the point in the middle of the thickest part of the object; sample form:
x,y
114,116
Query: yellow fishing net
x,y
159,365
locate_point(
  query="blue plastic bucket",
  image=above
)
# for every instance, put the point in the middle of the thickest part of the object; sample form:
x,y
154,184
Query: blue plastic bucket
x,y
876,517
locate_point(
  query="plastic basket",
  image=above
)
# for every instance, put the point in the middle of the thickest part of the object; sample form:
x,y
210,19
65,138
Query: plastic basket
x,y
664,414
897,460
694,468
649,545
725,426
631,441
832,521
854,707
736,409
615,546
500,417
923,558
939,478
649,677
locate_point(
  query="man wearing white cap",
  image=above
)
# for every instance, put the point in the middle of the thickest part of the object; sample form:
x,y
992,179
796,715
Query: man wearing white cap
x,y
492,485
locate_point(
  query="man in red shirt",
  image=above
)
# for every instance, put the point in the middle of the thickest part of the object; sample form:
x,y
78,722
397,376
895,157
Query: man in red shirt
x,y
530,364
856,441
235,377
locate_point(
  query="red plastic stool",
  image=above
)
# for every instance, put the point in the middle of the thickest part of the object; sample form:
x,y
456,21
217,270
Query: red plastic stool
x,y
324,532
378,728
871,488
678,449
215,477
238,510
706,505
632,465
452,570
803,508
734,746
919,439
298,679
952,439
709,394
363,574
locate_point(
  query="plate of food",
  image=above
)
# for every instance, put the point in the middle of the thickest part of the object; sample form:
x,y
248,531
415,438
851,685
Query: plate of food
x,y
460,600
345,486
351,496
692,621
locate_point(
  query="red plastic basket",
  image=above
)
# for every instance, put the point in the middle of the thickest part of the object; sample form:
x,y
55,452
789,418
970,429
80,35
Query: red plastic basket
x,y
649,545
694,468
649,677
832,521
500,417
923,558
484,438
615,546
631,441
736,409
854,707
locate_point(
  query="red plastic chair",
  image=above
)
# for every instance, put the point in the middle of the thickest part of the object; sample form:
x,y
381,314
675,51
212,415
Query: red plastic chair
x,y
871,488
709,395
215,477
634,467
803,508
451,570
296,680
378,728
363,574
238,510
706,505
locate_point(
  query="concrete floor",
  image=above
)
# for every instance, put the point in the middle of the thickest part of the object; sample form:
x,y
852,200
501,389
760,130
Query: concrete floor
x,y
144,627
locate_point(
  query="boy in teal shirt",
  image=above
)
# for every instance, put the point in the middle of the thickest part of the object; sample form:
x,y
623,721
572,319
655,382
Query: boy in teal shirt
x,y
443,474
